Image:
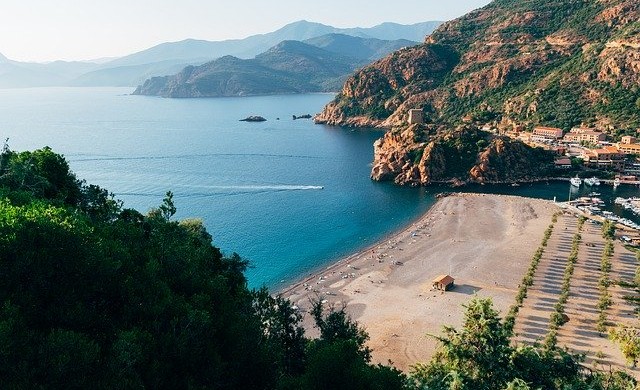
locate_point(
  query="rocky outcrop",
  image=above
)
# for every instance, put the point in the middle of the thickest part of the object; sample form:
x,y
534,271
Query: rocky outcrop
x,y
253,118
507,161
422,155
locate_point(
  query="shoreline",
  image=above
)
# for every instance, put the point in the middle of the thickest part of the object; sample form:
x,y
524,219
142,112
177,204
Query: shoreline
x,y
287,287
485,241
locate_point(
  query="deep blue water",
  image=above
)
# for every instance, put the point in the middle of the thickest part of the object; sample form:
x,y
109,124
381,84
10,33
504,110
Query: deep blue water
x,y
289,196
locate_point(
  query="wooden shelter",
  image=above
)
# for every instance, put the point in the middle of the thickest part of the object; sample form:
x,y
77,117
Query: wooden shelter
x,y
442,282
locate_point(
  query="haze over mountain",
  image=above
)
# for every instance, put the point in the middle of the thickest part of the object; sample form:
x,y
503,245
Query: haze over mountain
x,y
14,74
194,50
171,57
288,67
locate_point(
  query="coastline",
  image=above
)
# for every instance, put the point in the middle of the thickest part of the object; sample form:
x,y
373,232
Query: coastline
x,y
286,288
485,242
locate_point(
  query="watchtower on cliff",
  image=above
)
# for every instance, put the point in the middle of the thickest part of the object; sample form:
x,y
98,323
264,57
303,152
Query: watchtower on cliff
x,y
415,116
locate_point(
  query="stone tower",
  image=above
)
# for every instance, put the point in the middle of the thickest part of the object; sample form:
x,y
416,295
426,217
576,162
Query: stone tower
x,y
415,116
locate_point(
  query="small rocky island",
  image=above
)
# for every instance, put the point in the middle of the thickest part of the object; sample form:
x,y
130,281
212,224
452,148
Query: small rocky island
x,y
253,118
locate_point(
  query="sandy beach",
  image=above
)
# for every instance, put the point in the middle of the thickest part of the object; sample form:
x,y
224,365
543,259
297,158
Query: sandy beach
x,y
484,241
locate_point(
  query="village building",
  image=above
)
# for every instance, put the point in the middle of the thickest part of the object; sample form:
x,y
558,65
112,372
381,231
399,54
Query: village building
x,y
632,168
415,116
629,148
557,150
607,157
628,140
542,134
579,134
562,163
627,179
442,282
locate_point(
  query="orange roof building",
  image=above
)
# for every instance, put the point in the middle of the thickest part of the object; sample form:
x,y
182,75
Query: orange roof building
x,y
442,282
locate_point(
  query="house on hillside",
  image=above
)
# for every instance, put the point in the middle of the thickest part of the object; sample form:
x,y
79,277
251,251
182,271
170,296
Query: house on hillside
x,y
442,282
628,140
563,163
606,157
629,148
579,134
546,134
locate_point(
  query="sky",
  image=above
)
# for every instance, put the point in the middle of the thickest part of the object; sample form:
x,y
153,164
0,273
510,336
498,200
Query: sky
x,y
46,30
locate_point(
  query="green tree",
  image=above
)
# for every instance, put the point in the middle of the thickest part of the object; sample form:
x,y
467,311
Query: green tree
x,y
337,326
478,354
339,359
628,338
281,323
608,230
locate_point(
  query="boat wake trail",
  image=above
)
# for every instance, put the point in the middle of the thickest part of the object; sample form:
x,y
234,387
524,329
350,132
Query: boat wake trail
x,y
208,191
283,187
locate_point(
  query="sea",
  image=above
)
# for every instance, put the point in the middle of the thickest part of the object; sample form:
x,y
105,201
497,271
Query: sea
x,y
288,195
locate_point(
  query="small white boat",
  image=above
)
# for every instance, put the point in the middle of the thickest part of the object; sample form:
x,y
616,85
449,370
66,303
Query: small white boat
x,y
616,182
575,181
592,181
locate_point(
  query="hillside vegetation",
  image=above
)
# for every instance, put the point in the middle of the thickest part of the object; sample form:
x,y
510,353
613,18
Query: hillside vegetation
x,y
560,63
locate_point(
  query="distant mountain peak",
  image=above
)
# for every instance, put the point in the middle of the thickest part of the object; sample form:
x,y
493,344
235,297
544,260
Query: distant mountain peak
x,y
304,22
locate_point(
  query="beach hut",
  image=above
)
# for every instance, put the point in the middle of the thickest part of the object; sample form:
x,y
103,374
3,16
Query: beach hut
x,y
442,282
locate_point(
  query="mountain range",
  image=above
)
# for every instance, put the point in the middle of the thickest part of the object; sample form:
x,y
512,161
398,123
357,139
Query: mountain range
x,y
172,57
318,64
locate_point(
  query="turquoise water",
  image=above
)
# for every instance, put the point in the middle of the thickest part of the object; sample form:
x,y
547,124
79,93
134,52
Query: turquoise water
x,y
287,195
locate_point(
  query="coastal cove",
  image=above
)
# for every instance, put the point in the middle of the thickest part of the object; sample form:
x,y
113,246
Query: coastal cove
x,y
289,196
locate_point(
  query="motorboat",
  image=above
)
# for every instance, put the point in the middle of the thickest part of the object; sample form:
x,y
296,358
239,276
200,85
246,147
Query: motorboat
x,y
592,181
576,181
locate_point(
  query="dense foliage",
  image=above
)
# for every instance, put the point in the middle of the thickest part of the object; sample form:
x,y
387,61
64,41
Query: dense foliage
x,y
96,296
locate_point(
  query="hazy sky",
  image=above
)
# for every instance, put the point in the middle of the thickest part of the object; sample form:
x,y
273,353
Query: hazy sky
x,y
44,30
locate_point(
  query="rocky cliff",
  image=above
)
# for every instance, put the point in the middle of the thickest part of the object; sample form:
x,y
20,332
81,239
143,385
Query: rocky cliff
x,y
422,155
558,63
